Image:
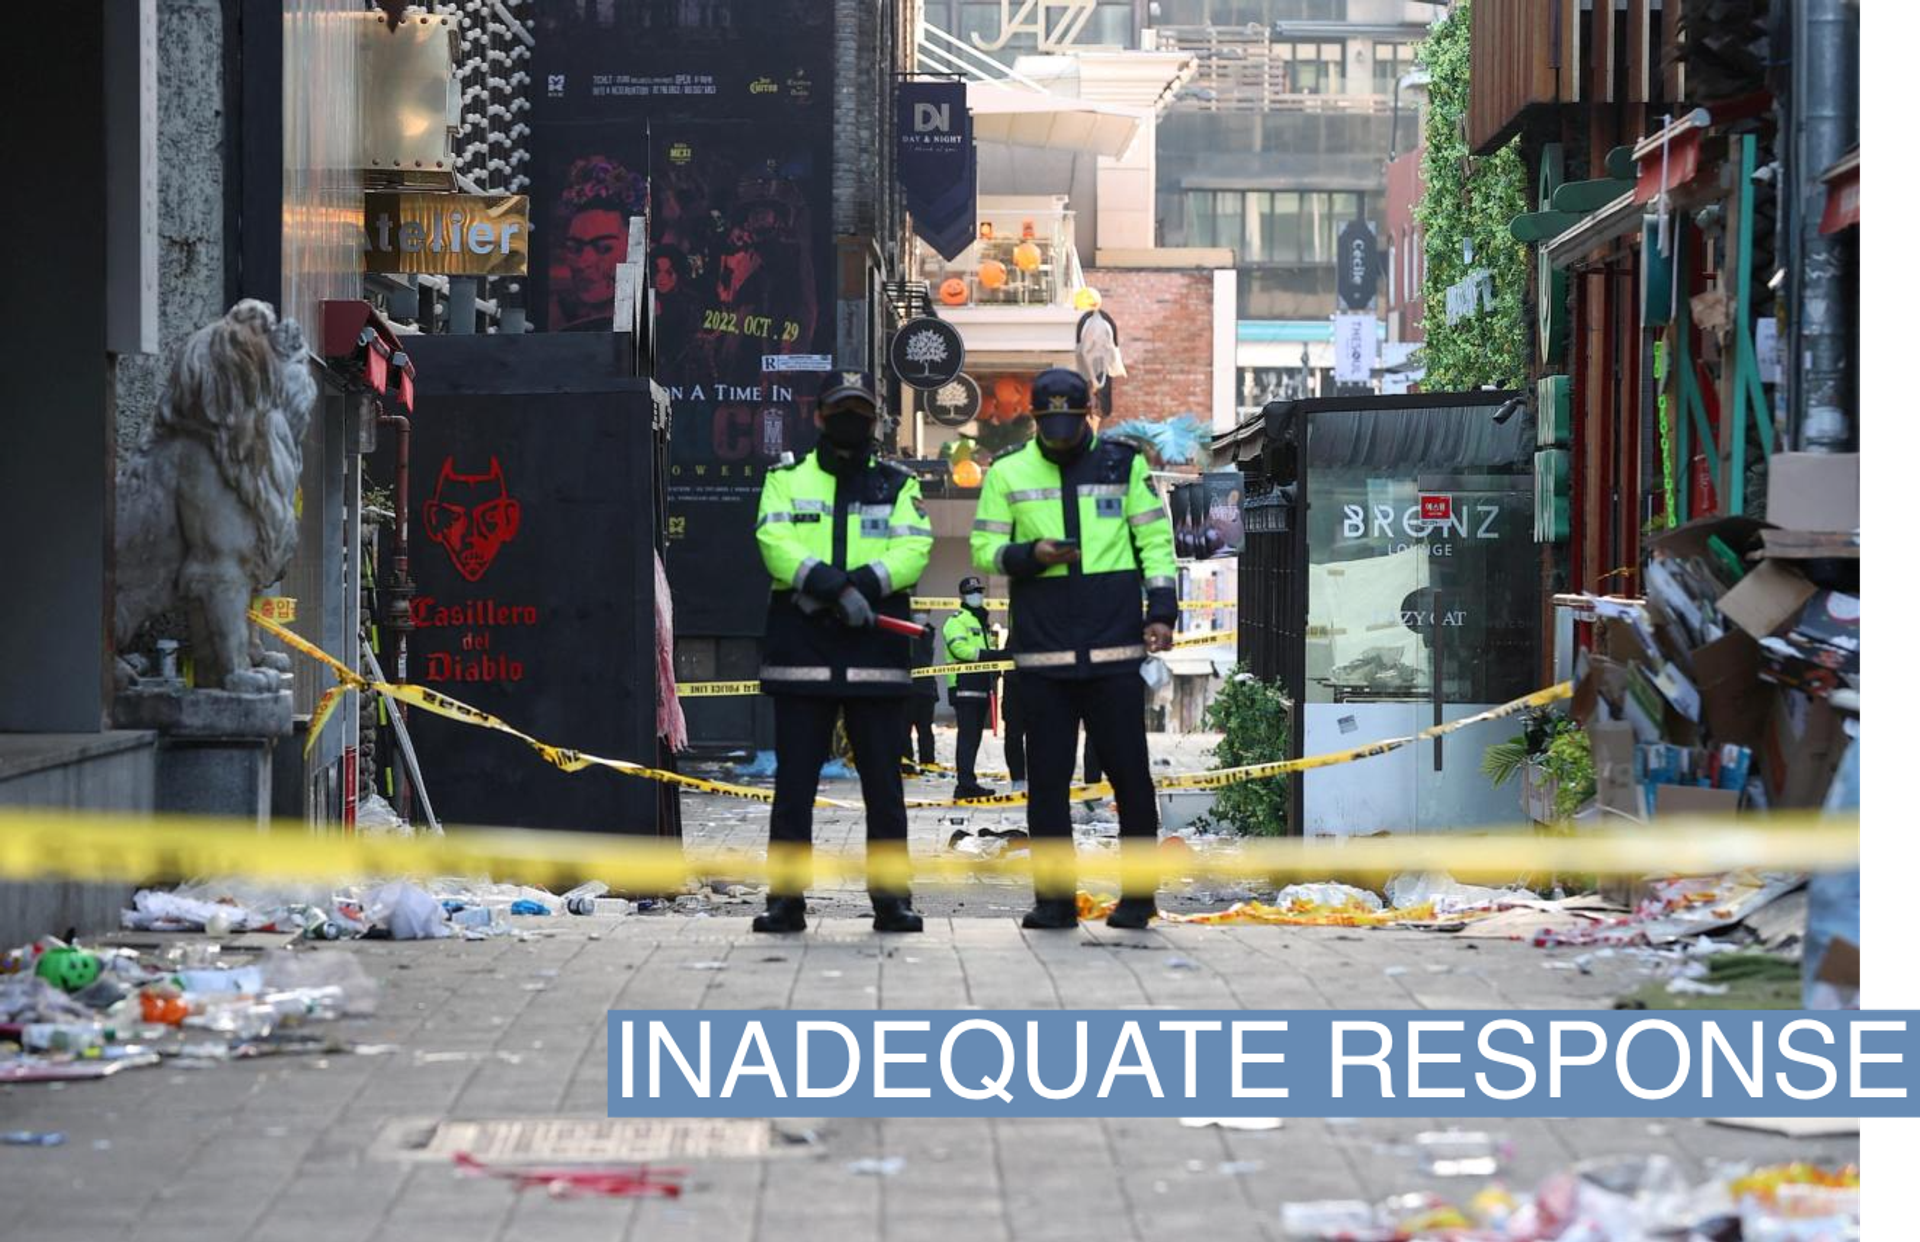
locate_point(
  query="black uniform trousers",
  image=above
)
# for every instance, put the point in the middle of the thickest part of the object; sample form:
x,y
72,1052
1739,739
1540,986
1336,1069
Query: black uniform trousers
x,y
1113,710
1014,717
919,714
803,739
971,715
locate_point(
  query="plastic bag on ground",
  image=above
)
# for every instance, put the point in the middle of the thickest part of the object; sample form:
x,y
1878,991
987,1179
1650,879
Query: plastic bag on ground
x,y
154,910
1448,895
294,972
375,817
1300,898
763,764
408,912
29,998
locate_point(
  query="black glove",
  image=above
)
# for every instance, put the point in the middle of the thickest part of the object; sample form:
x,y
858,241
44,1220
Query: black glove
x,y
824,582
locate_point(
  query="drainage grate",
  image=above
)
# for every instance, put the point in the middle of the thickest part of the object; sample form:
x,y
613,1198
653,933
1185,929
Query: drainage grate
x,y
562,1140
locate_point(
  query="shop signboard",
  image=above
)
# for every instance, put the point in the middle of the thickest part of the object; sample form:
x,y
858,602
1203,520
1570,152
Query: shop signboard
x,y
445,234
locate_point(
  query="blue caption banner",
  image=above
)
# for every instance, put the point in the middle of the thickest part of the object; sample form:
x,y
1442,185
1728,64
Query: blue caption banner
x,y
1170,1063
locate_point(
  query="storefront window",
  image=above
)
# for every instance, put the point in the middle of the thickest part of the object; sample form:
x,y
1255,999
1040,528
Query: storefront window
x,y
1023,256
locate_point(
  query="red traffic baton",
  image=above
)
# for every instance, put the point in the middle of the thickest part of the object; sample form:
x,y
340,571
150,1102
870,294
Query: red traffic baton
x,y
894,625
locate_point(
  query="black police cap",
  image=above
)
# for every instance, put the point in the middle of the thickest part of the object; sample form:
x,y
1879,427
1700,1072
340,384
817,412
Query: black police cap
x,y
848,388
1057,390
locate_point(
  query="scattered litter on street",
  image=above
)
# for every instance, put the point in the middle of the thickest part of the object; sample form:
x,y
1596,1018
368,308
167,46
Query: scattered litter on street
x,y
73,1013
872,1166
639,1181
33,1138
1232,1123
1625,1199
1793,1127
1459,1153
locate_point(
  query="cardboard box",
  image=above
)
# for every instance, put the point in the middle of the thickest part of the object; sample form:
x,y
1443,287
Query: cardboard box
x,y
1811,545
1800,751
1767,599
1616,789
1733,698
1672,801
1742,534
1814,491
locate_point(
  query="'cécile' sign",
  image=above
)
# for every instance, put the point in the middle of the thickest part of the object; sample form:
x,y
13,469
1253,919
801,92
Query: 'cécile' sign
x,y
446,234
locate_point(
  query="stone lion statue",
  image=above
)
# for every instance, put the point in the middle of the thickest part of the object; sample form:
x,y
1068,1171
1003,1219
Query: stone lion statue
x,y
206,502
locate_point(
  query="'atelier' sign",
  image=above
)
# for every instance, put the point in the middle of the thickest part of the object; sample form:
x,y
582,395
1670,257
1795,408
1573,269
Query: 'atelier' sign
x,y
446,234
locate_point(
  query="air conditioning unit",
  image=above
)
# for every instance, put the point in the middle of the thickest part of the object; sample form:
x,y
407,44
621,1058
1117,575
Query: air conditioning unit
x,y
409,100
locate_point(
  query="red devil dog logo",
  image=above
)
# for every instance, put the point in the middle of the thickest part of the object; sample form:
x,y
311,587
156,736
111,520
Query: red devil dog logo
x,y
472,517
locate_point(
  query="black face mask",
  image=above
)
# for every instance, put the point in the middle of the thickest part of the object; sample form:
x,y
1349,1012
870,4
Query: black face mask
x,y
847,430
1061,433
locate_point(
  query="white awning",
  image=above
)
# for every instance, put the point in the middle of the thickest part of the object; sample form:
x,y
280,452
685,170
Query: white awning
x,y
1022,117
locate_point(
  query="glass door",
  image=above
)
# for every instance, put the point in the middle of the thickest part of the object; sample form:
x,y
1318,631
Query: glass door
x,y
1478,618
1422,608
1368,665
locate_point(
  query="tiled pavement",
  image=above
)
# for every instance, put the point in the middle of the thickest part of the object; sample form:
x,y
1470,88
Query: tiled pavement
x,y
299,1147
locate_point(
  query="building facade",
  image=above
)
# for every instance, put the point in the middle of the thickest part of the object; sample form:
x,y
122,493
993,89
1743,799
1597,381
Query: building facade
x,y
1280,140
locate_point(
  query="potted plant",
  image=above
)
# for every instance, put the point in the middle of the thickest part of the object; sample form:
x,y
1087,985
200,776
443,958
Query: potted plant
x,y
1554,760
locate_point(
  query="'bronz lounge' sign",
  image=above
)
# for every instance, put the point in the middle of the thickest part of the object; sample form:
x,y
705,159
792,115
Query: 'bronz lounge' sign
x,y
446,234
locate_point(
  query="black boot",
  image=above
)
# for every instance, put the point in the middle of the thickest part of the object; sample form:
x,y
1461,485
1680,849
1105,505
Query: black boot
x,y
1132,913
895,914
973,790
1052,914
784,914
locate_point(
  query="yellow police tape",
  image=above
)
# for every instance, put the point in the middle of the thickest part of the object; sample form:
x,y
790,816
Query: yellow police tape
x,y
950,603
123,848
714,689
568,760
1220,778
1207,639
453,709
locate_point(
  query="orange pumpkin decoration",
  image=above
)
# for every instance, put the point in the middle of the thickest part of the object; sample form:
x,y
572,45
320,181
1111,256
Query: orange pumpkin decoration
x,y
993,274
1026,256
966,473
1010,394
953,291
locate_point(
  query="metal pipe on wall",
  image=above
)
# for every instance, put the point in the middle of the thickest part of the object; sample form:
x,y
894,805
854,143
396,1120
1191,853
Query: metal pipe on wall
x,y
1826,121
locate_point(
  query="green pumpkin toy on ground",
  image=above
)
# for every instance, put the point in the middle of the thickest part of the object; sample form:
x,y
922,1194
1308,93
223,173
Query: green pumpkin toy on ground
x,y
69,969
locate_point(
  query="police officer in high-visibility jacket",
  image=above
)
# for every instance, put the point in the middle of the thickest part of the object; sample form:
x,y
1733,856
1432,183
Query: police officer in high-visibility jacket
x,y
965,635
844,535
1072,520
